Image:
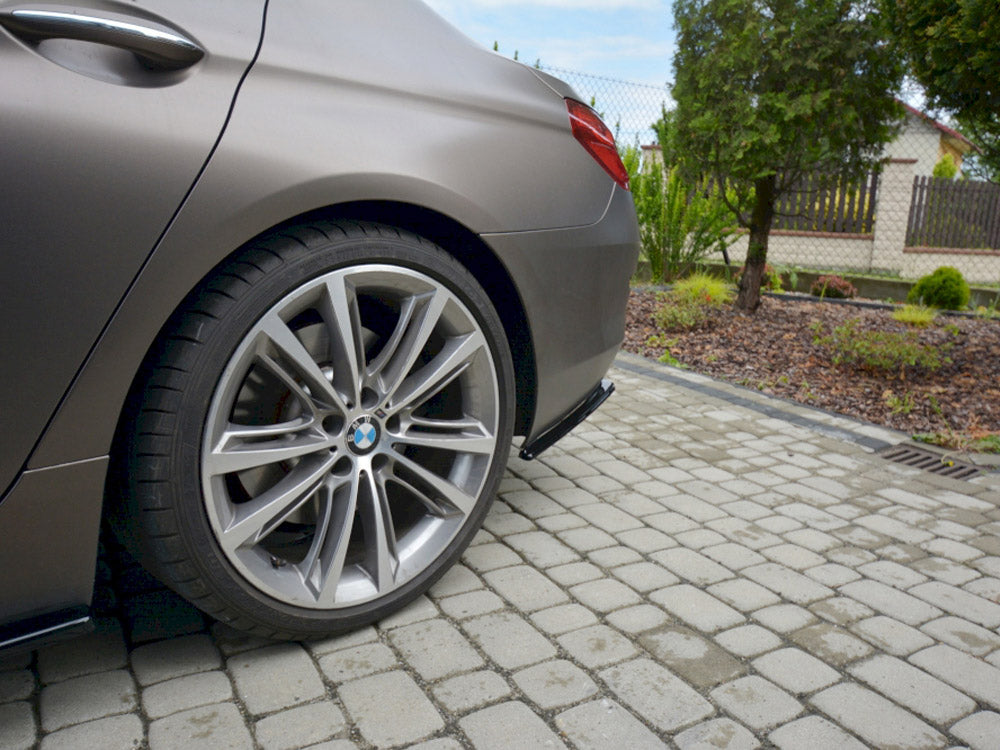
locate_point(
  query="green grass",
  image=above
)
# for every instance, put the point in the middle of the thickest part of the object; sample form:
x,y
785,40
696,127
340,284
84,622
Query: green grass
x,y
915,315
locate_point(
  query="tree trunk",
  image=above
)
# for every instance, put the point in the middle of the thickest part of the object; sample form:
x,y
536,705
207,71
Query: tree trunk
x,y
748,298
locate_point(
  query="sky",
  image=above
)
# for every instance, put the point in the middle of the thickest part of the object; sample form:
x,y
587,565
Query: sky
x,y
631,40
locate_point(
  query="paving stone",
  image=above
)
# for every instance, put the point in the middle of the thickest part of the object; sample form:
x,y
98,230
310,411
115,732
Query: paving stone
x,y
891,602
509,640
698,661
573,573
795,670
114,733
275,677
757,702
980,730
81,699
508,725
390,709
174,658
543,550
960,670
459,694
525,587
605,595
435,649
483,557
896,529
562,522
531,503
16,686
552,684
644,576
216,727
945,570
850,557
744,595
788,583
784,618
699,610
645,540
963,635
811,539
748,640
99,651
231,641
699,538
715,734
17,726
299,727
613,557
503,524
875,719
419,609
841,610
182,693
692,566
793,556
655,694
832,574
471,604
891,635
601,724
914,689
831,644
458,580
743,532
564,618
360,661
597,646
637,619
671,523
815,733
959,602
892,574
734,556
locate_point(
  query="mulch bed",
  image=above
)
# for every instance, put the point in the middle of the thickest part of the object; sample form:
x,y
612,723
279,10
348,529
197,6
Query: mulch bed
x,y
773,351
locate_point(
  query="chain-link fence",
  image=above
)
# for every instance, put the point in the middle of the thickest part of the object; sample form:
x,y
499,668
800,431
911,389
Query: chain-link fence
x,y
902,221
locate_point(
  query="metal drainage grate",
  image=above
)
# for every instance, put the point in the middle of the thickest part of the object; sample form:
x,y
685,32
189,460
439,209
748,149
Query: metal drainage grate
x,y
921,458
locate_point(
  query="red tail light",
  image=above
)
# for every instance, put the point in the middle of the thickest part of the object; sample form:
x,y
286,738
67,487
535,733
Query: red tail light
x,y
594,136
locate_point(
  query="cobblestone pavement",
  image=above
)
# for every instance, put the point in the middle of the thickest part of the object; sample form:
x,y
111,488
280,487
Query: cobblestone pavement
x,y
695,567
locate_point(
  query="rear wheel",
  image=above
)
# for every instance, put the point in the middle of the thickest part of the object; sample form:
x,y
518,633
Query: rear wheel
x,y
323,430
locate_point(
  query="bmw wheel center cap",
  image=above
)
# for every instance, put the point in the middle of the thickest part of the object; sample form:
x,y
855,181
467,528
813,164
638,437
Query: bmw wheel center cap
x,y
362,435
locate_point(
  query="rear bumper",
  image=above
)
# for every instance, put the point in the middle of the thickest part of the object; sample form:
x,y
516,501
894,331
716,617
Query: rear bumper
x,y
574,286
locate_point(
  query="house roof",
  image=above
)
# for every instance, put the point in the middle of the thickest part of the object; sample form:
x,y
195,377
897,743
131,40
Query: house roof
x,y
945,130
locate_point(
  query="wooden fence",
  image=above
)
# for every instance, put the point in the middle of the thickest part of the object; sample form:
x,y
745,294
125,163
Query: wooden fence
x,y
954,214
823,203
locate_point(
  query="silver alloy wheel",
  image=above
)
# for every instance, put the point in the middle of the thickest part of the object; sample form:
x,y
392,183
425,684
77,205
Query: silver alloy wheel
x,y
350,436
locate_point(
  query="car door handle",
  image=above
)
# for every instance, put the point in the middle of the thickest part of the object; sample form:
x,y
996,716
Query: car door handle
x,y
155,45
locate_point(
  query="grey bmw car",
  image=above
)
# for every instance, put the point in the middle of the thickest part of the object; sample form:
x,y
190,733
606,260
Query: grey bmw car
x,y
281,282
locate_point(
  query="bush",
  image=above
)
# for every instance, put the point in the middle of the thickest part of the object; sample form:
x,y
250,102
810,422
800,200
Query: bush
x,y
686,305
880,351
704,289
915,315
769,282
680,224
834,287
945,288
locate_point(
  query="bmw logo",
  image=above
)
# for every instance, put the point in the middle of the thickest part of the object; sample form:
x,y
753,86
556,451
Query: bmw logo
x,y
362,435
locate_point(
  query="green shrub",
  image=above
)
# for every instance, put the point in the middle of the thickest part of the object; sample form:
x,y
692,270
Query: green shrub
x,y
679,223
880,351
945,288
834,287
915,315
704,289
686,305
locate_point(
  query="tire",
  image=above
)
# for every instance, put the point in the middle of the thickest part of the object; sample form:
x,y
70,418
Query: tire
x,y
321,430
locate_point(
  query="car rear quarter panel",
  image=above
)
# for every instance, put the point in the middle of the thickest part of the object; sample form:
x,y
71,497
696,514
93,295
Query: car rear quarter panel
x,y
364,101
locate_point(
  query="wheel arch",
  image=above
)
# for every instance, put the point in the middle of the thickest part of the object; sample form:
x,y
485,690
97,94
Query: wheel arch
x,y
67,438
